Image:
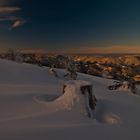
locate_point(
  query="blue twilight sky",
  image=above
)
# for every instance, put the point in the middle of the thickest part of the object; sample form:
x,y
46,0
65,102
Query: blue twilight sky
x,y
71,25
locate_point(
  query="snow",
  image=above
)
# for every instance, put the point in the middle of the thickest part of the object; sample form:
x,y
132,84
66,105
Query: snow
x,y
125,86
72,98
33,107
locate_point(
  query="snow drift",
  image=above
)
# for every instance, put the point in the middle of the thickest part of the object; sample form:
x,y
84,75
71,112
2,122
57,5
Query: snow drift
x,y
24,118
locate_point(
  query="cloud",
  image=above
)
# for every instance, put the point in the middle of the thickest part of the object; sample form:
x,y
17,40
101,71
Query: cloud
x,y
18,23
8,18
8,10
10,14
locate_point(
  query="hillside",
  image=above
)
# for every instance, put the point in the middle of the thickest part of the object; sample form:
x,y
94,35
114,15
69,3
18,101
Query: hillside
x,y
29,109
126,59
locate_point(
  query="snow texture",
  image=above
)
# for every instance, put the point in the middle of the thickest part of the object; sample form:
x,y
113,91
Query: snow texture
x,y
33,107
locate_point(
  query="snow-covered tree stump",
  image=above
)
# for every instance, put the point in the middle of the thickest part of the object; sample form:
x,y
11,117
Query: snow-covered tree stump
x,y
91,97
82,89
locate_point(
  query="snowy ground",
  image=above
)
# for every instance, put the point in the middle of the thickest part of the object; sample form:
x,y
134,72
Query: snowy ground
x,y
28,110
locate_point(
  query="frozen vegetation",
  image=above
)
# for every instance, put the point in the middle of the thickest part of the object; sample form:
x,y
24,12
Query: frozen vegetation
x,y
109,66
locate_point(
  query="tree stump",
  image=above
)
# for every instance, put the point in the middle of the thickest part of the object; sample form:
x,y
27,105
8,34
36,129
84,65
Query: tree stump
x,y
90,99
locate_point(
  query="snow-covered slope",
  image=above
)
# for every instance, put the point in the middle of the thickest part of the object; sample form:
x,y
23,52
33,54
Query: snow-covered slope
x,y
29,109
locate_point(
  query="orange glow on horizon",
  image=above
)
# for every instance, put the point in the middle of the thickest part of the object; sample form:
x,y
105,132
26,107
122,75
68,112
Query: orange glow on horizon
x,y
82,50
104,50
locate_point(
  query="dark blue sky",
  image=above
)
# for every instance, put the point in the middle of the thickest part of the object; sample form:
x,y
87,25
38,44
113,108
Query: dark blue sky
x,y
60,24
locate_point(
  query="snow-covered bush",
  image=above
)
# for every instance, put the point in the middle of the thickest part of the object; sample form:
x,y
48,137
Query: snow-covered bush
x,y
53,71
124,84
72,72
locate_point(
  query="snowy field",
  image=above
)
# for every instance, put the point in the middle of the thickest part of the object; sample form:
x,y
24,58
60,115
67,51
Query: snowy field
x,y
30,110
